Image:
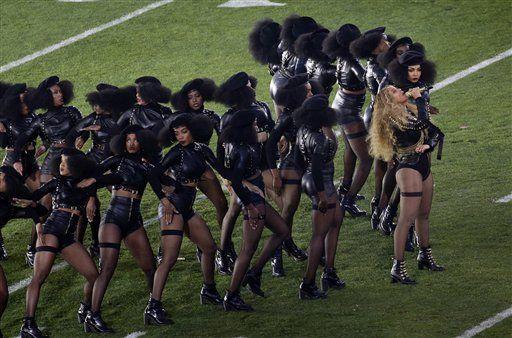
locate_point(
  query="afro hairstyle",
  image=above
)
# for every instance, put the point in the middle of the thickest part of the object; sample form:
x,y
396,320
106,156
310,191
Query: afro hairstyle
x,y
43,98
200,126
79,165
398,73
148,142
234,93
153,92
205,86
293,27
309,45
293,93
114,101
363,46
315,113
264,40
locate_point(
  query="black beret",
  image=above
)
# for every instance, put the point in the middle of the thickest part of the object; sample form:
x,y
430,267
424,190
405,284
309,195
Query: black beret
x,y
304,24
242,118
296,81
151,79
16,89
378,30
411,58
316,102
71,152
181,120
270,33
48,82
104,86
195,84
399,42
239,80
132,129
347,33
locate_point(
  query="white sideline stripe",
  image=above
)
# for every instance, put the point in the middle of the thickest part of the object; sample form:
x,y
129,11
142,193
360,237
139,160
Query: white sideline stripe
x,y
472,69
136,334
25,282
487,324
505,199
250,3
83,35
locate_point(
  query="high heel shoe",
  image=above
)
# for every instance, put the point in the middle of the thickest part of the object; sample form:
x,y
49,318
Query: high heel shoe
x,y
343,190
82,312
426,260
351,207
94,323
399,273
30,255
409,244
310,291
222,263
293,250
233,302
331,280
277,263
231,254
386,220
209,294
253,282
29,329
375,220
155,314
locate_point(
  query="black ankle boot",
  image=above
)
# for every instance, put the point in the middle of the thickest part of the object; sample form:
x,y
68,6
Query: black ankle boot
x,y
331,280
386,220
3,252
159,255
155,313
343,190
426,260
233,302
94,250
277,263
294,251
351,207
29,329
374,203
399,273
409,244
231,254
30,255
94,323
253,282
209,294
310,291
222,263
82,312
199,254
376,217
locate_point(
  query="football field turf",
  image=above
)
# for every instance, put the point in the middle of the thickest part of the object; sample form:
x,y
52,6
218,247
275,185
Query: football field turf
x,y
470,232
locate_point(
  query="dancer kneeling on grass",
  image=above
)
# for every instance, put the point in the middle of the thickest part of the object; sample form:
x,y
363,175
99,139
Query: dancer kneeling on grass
x,y
188,161
123,220
240,141
402,130
58,233
316,153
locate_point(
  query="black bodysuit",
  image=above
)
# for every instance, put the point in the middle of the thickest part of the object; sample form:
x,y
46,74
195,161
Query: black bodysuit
x,y
350,76
322,72
14,128
53,127
376,79
284,127
213,116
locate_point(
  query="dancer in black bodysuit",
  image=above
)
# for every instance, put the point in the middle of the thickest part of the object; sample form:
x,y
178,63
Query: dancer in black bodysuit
x,y
317,152
264,44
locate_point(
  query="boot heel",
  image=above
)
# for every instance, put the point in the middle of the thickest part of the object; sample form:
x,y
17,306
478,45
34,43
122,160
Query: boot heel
x,y
227,306
87,328
80,319
302,295
393,280
325,285
147,320
421,265
203,300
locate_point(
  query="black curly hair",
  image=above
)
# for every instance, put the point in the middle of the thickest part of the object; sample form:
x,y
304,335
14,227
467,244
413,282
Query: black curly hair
x,y
79,165
13,181
148,142
363,46
240,128
309,45
242,97
336,44
42,97
153,92
294,26
317,116
293,93
398,73
114,101
264,40
200,126
205,86
11,105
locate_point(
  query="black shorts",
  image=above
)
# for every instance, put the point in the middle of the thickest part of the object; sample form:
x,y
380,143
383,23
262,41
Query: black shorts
x,y
256,198
62,224
52,153
418,162
28,160
288,161
308,184
348,107
183,201
125,213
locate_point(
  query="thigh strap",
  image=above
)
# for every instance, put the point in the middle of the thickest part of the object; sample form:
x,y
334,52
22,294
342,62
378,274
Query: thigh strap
x,y
329,206
116,246
47,248
289,181
411,194
357,135
172,232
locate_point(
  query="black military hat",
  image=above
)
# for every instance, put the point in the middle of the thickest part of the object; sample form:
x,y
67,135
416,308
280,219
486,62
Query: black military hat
x,y
150,79
236,81
347,33
48,82
104,86
411,58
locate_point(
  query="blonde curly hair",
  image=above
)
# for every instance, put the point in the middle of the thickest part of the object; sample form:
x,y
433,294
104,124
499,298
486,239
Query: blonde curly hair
x,y
387,115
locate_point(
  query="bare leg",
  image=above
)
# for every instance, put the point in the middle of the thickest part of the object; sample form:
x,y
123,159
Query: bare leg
x,y
138,244
210,186
200,234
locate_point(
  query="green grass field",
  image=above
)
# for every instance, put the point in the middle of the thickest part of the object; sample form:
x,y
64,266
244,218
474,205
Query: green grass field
x,y
471,234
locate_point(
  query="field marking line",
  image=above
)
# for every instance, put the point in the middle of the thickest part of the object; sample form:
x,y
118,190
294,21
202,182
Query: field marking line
x,y
136,334
487,323
504,199
250,3
83,35
25,282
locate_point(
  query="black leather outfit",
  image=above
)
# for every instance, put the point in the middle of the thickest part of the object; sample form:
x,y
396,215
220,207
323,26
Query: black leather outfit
x,y
350,75
150,116
53,127
100,149
418,131
376,79
65,194
131,174
284,127
290,65
14,128
213,116
188,164
316,153
323,72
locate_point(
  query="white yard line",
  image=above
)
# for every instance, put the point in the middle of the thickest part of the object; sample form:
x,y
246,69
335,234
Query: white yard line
x,y
83,35
250,3
504,199
136,334
487,324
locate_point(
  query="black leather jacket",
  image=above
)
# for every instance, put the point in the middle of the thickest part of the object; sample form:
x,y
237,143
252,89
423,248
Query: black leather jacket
x,y
284,127
292,65
243,162
150,116
350,74
64,192
213,116
323,72
375,75
14,128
